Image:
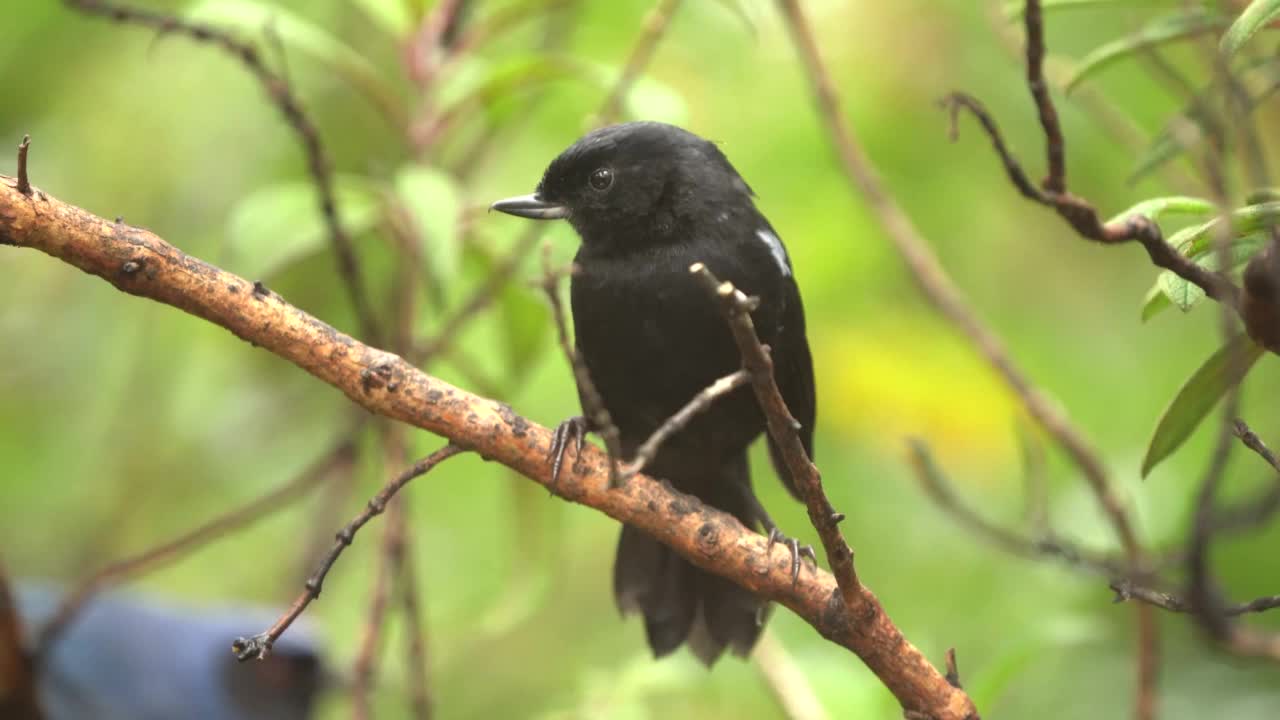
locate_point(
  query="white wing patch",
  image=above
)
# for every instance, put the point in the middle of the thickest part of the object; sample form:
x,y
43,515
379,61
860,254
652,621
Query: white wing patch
x,y
775,248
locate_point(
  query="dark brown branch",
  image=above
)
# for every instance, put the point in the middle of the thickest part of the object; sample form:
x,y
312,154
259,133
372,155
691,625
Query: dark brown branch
x,y
593,407
18,696
386,385
648,450
24,183
156,557
784,430
1056,182
282,97
953,671
1126,590
259,646
1083,217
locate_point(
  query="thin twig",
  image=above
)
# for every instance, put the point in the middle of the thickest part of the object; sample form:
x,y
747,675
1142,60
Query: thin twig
x,y
1254,443
415,631
390,559
1084,219
651,31
19,698
156,557
939,488
281,95
1126,590
24,183
700,403
259,646
784,429
593,407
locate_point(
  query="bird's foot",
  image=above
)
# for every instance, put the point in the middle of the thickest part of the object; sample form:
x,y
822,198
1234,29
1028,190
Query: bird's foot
x,y
575,429
797,551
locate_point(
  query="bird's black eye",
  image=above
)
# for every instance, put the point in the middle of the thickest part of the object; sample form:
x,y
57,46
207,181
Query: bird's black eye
x,y
601,178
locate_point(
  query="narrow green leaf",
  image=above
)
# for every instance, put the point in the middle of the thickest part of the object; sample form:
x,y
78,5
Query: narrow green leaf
x,y
1262,195
1156,302
1155,208
1186,295
277,225
432,199
1244,221
1198,396
1156,33
308,40
1254,17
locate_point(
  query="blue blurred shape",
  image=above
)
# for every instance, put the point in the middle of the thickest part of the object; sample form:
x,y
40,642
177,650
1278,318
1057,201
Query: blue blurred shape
x,y
131,657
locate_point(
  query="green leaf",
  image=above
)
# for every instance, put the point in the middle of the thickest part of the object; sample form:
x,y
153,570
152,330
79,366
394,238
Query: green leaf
x,y
1254,17
1156,302
1244,221
1184,294
308,40
432,200
1198,396
277,225
1172,205
1156,33
1262,195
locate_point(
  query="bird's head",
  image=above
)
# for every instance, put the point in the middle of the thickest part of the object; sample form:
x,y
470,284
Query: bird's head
x,y
638,183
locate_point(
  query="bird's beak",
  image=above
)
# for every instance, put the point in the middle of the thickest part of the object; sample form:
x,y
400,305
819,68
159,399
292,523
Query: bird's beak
x,y
531,206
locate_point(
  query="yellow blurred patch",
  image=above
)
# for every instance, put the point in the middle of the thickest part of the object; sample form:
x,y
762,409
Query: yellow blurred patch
x,y
884,383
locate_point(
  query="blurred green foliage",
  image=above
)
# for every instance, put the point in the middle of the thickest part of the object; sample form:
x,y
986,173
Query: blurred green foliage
x,y
124,422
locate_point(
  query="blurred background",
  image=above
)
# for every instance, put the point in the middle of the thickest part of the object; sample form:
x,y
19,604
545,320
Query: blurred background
x,y
124,423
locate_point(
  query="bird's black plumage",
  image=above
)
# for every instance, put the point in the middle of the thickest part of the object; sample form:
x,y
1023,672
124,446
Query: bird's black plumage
x,y
648,201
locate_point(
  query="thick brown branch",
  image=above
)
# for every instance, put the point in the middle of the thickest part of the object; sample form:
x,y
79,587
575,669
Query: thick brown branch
x,y
140,263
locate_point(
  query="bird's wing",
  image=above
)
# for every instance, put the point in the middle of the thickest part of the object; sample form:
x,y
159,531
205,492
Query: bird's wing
x,y
793,371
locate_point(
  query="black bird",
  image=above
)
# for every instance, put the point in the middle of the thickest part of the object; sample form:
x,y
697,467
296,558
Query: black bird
x,y
649,200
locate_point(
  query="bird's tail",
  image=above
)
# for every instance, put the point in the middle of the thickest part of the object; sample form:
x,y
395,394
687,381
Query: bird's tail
x,y
681,603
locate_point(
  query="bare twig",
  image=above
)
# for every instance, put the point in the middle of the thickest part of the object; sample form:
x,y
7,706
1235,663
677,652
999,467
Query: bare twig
x,y
156,557
593,407
24,183
939,488
1126,590
784,429
651,31
282,96
677,422
259,646
1084,218
953,670
390,559
1251,440
415,631
388,386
